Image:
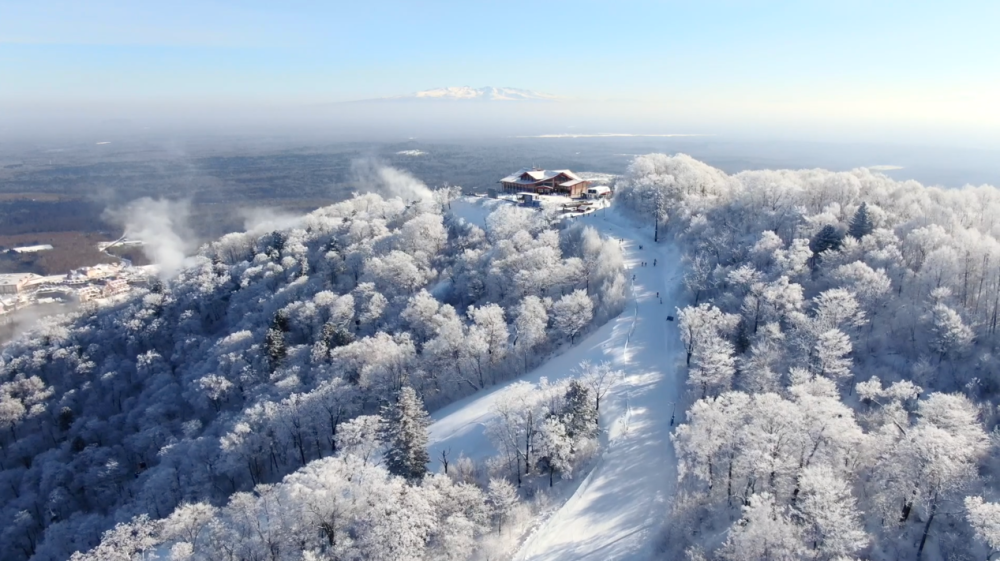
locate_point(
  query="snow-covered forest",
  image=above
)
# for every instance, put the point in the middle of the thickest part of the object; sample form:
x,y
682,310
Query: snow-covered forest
x,y
269,402
841,361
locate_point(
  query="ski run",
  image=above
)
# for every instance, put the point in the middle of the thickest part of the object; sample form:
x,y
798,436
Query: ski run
x,y
617,501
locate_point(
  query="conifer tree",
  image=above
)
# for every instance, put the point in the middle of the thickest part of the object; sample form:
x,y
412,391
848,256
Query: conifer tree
x,y
274,340
580,414
861,224
827,238
404,432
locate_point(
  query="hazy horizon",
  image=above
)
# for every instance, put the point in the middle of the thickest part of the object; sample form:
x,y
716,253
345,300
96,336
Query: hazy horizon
x,y
849,72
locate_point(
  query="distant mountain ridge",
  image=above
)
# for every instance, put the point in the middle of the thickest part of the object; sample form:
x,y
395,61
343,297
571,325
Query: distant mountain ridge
x,y
466,93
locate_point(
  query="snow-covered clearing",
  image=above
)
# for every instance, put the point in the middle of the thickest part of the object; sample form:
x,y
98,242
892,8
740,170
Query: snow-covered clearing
x,y
475,209
617,507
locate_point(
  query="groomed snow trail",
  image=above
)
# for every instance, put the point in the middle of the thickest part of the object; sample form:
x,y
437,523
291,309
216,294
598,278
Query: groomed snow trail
x,y
619,505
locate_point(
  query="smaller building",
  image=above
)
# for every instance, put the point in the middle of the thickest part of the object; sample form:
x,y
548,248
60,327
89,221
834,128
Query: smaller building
x,y
114,286
88,293
599,192
102,270
529,199
15,283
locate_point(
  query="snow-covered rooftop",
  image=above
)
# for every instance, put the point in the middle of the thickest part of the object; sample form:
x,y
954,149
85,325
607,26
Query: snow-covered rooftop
x,y
15,278
541,175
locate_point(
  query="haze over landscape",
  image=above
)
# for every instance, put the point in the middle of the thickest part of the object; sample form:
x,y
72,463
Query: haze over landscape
x,y
534,281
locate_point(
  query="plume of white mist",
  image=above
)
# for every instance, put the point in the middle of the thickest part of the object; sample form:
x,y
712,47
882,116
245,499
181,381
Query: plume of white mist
x,y
162,227
263,220
370,175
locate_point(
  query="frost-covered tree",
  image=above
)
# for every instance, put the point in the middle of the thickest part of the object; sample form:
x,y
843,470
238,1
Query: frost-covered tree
x,y
555,448
503,499
766,531
950,335
599,379
929,462
832,352
838,308
529,327
830,514
404,432
572,312
712,365
361,437
125,542
698,324
984,518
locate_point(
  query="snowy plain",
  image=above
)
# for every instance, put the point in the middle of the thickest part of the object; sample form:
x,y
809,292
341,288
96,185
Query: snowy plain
x,y
613,510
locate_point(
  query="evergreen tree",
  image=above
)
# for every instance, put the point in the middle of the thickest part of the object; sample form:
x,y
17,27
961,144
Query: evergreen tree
x,y
404,432
580,413
827,238
274,340
335,336
861,224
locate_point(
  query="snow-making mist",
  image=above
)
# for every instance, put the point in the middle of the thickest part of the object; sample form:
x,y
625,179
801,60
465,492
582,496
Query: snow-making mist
x,y
162,227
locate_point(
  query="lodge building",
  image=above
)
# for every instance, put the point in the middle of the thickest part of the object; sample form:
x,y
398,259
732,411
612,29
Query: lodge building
x,y
546,182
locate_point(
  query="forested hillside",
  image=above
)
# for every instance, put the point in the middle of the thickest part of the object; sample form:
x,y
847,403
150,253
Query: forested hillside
x,y
176,412
841,359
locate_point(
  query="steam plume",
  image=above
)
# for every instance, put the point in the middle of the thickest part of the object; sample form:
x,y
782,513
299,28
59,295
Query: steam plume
x,y
369,175
162,227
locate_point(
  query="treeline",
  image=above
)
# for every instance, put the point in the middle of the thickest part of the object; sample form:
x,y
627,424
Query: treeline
x,y
840,358
247,366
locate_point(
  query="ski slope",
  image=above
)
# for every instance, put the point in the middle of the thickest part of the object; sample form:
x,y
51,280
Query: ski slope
x,y
617,507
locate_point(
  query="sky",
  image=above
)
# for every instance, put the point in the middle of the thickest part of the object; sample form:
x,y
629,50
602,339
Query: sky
x,y
930,69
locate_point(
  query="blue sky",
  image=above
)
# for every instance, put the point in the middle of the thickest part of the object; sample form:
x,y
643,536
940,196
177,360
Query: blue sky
x,y
920,62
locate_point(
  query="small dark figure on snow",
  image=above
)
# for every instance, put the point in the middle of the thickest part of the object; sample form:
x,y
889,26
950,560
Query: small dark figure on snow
x,y
654,262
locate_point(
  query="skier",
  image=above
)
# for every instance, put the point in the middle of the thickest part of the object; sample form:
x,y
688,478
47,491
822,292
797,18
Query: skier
x,y
654,262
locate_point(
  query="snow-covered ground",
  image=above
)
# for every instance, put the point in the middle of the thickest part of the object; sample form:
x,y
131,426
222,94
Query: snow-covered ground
x,y
616,508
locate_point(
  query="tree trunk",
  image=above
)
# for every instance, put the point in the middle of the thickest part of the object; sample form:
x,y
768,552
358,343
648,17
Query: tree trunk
x,y
927,527
527,446
729,484
907,507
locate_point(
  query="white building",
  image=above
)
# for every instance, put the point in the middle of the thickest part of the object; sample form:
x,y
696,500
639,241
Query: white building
x,y
102,270
15,283
599,192
114,286
88,293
